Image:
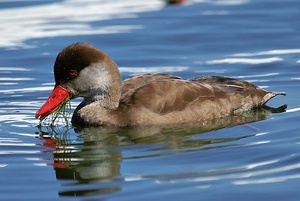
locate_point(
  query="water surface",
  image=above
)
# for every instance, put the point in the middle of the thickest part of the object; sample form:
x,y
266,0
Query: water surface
x,y
254,158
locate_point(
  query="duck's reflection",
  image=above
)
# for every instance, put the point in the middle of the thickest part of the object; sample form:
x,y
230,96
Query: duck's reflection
x,y
93,159
89,159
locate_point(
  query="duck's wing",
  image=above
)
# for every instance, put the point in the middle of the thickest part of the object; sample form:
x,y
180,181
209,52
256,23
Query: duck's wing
x,y
231,85
218,94
133,83
238,87
169,95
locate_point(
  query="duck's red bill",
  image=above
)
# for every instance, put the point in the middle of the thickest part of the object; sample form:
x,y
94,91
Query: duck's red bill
x,y
58,95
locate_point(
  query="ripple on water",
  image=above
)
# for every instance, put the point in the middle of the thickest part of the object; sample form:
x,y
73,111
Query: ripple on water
x,y
223,160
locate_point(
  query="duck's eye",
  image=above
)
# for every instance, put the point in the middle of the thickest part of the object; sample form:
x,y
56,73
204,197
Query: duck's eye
x,y
73,73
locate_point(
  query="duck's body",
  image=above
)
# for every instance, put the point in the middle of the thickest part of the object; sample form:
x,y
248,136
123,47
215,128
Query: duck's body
x,y
151,99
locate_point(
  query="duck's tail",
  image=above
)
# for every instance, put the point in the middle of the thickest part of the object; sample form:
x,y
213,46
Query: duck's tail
x,y
271,95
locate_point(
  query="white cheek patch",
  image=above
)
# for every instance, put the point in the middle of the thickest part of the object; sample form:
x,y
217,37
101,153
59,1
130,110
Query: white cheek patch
x,y
93,78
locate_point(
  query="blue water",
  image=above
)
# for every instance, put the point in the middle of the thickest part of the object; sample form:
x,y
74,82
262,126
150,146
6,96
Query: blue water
x,y
254,40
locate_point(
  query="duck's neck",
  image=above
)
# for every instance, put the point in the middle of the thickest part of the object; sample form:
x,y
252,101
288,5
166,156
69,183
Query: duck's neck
x,y
106,90
112,95
103,97
91,113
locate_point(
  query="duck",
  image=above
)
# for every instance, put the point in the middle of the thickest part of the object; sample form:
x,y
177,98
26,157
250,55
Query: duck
x,y
170,2
82,70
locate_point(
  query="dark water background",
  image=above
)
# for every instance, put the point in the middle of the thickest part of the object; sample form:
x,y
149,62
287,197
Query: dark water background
x,y
255,40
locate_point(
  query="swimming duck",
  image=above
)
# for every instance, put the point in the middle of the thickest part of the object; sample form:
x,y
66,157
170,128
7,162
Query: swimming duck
x,y
81,70
175,1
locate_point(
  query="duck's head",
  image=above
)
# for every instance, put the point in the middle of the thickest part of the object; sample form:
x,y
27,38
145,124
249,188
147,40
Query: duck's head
x,y
81,70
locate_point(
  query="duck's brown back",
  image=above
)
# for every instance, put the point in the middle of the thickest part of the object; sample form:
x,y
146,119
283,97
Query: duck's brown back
x,y
159,98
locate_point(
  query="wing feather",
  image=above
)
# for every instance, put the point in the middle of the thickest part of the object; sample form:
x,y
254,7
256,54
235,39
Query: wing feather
x,y
173,95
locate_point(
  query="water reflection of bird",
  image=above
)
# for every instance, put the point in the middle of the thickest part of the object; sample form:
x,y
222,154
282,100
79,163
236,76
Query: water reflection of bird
x,y
85,163
82,70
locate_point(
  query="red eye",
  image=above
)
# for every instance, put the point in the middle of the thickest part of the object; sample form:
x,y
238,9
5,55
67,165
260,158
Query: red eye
x,y
73,73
